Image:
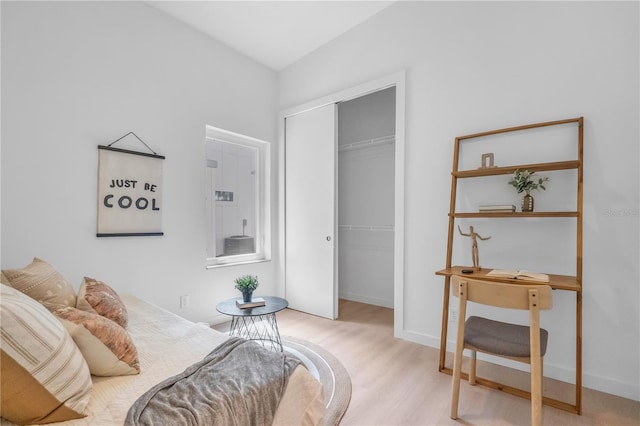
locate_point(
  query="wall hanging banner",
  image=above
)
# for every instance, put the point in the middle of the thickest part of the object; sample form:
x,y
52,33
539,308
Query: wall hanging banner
x,y
129,193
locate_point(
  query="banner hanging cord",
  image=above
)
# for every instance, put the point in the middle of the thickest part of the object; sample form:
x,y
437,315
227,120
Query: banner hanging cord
x,y
131,133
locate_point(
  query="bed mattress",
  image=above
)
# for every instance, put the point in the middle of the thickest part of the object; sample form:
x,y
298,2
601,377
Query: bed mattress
x,y
166,345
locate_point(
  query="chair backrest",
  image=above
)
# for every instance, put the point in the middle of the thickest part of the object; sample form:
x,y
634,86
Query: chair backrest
x,y
503,295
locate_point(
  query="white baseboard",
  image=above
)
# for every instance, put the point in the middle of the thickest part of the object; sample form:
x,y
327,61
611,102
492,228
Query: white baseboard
x,y
591,381
363,298
614,387
216,319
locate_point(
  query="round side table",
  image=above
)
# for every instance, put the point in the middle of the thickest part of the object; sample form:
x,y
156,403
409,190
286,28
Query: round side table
x,y
258,323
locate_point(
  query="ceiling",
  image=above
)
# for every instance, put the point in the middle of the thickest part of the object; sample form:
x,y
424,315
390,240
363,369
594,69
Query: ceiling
x,y
274,33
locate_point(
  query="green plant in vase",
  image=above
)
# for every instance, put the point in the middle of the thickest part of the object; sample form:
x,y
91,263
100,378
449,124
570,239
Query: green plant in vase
x,y
246,284
524,181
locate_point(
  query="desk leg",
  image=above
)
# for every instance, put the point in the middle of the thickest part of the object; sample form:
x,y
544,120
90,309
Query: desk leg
x,y
445,323
579,352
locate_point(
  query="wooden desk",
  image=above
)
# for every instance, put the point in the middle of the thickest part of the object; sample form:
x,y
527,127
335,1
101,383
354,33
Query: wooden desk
x,y
557,282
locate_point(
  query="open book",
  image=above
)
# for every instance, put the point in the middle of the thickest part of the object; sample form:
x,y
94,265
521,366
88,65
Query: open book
x,y
524,275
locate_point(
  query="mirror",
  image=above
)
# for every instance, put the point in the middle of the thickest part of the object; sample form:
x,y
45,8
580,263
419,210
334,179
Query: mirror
x,y
232,170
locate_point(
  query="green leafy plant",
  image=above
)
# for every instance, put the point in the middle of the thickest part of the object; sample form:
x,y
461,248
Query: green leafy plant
x,y
524,181
246,283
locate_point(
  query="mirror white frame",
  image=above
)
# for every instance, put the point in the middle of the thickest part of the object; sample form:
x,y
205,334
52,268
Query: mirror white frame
x,y
217,195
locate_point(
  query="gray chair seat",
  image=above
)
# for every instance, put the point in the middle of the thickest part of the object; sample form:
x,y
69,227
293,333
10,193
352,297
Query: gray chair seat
x,y
501,338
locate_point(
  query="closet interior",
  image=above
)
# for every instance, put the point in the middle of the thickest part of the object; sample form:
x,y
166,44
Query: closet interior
x,y
366,181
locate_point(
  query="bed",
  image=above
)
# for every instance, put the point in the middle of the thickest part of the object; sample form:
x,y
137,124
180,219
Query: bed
x,y
166,345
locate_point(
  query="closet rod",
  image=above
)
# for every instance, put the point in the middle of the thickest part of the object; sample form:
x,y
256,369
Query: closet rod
x,y
383,140
366,227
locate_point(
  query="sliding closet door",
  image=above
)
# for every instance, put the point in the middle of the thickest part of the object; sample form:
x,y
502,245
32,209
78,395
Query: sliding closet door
x,y
310,211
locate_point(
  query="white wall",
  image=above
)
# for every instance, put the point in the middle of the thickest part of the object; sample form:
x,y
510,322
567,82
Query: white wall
x,y
475,66
80,74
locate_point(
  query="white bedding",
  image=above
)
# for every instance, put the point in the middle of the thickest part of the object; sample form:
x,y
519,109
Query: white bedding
x,y
166,345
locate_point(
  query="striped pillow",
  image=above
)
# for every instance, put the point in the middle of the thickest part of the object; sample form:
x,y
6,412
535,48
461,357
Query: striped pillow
x,y
40,281
43,375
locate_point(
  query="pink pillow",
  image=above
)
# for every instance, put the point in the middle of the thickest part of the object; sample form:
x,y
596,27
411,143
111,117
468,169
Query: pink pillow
x,y
97,297
107,347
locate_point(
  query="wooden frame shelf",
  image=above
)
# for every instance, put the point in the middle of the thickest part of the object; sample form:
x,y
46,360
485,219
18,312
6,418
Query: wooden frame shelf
x,y
514,215
523,127
536,167
557,282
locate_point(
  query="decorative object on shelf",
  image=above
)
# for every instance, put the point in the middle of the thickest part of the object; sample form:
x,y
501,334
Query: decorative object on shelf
x,y
497,208
246,284
224,196
518,274
474,245
524,181
487,161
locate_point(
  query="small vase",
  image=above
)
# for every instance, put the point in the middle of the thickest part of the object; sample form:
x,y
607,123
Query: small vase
x,y
527,203
246,296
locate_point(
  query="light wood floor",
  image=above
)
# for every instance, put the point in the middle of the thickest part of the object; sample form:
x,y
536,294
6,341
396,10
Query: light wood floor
x,y
396,382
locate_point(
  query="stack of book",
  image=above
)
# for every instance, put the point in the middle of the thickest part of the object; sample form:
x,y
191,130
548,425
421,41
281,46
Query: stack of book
x,y
255,302
497,208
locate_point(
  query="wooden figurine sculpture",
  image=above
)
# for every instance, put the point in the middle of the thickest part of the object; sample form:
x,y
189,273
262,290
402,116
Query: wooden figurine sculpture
x,y
474,246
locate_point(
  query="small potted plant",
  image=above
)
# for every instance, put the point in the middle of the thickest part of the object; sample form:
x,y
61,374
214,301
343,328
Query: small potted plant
x,y
246,284
524,181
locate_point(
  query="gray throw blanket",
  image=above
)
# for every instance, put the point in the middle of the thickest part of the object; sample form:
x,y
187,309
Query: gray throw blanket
x,y
238,383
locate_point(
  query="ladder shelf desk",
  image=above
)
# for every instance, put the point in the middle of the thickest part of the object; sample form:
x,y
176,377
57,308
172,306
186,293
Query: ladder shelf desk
x,y
558,282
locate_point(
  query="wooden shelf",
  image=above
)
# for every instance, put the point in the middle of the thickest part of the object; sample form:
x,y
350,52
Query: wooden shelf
x,y
514,215
557,282
578,120
536,167
552,402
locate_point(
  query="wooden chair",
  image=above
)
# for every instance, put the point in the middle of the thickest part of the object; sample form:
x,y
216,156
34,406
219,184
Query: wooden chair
x,y
517,342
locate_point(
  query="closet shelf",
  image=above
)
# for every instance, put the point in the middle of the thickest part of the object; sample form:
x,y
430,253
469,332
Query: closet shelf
x,y
367,143
367,227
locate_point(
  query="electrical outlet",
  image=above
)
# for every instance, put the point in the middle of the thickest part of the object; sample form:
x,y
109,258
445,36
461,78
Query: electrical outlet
x,y
184,301
453,314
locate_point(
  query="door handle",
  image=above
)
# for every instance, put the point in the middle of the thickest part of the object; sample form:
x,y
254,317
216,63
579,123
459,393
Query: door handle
x,y
328,237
